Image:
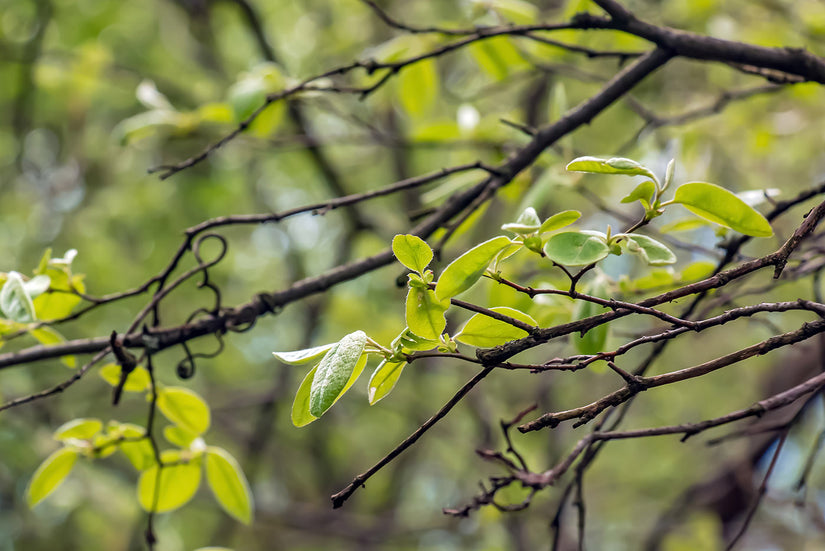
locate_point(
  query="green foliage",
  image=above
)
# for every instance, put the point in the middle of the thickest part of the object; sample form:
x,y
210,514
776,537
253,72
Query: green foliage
x,y
486,332
228,484
50,474
463,272
719,205
339,364
383,380
185,408
170,486
577,248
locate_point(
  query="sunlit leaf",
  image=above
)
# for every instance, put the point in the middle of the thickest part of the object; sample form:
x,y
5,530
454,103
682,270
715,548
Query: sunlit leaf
x,y
383,380
464,271
15,303
559,220
137,381
48,336
497,56
179,436
576,248
517,11
486,332
719,205
425,313
50,474
685,224
228,484
81,429
643,192
334,372
410,341
412,251
300,406
185,408
299,357
528,222
615,165
418,87
653,252
172,489
698,270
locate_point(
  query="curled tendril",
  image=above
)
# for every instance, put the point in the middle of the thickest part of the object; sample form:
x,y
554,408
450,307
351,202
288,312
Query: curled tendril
x,y
187,366
196,251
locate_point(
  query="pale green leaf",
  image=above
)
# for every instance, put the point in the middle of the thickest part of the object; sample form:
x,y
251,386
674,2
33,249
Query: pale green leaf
x,y
685,224
643,192
719,205
137,381
81,429
300,406
615,165
47,335
528,222
559,220
653,252
175,486
412,251
698,270
50,474
299,357
383,380
517,11
179,436
576,248
184,407
425,313
15,303
486,332
228,484
418,87
334,372
464,271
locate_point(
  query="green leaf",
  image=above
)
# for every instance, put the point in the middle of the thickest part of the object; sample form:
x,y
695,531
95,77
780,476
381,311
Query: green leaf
x,y
412,251
334,372
643,192
245,96
576,248
177,484
179,436
517,11
47,335
497,57
651,251
486,332
138,449
560,220
81,429
50,474
418,87
700,269
425,313
185,408
410,341
15,303
300,357
464,271
685,224
528,222
228,484
137,381
56,305
383,380
719,205
300,406
616,165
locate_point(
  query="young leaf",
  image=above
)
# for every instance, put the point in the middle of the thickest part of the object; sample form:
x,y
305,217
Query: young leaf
x,y
412,251
486,332
560,220
48,335
185,408
410,341
464,271
50,474
299,357
616,165
652,251
334,372
425,313
383,380
418,87
137,381
528,222
81,429
15,303
179,436
178,483
300,406
576,248
643,192
228,484
684,224
138,449
719,205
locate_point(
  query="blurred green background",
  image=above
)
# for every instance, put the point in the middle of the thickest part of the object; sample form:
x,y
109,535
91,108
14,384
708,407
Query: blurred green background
x,y
75,146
